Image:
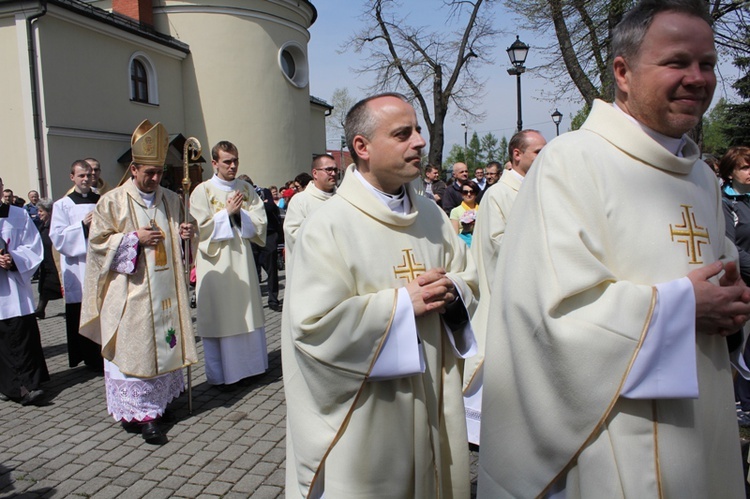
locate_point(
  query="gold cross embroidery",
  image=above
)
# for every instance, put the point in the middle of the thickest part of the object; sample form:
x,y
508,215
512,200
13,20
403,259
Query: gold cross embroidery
x,y
409,269
690,234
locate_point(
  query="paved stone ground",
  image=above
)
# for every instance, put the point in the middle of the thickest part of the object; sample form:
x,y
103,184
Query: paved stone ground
x,y
232,446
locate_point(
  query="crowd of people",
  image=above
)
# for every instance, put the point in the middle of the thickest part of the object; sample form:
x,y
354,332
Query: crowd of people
x,y
602,278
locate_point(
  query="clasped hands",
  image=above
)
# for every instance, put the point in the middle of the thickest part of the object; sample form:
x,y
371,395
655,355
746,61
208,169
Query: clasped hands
x,y
431,291
720,309
147,236
6,261
234,203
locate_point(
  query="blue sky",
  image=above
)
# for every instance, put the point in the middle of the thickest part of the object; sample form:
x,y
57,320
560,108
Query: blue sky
x,y
339,19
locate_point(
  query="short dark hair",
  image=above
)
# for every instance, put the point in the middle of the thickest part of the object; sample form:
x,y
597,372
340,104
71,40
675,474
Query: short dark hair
x,y
519,141
495,164
732,159
360,121
225,146
318,157
473,185
430,168
628,35
81,163
303,179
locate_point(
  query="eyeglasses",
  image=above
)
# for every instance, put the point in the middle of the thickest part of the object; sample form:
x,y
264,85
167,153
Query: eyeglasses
x,y
467,192
329,170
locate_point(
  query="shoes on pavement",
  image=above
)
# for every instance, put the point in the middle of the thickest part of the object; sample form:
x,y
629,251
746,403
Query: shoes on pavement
x,y
34,397
276,307
152,433
4,397
131,426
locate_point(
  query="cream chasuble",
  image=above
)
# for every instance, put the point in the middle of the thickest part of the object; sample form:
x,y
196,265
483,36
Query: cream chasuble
x,y
300,207
489,229
606,214
348,436
227,289
141,319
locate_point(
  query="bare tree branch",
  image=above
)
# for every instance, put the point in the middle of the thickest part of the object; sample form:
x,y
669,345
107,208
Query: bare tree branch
x,y
432,67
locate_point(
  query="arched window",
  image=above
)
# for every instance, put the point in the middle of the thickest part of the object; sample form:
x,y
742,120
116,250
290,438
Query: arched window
x,y
138,81
142,75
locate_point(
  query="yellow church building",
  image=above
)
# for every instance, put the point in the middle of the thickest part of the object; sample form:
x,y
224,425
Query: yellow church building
x,y
79,75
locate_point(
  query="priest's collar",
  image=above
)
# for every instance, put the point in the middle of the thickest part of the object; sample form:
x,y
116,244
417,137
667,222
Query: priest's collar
x,y
397,203
80,198
671,144
515,174
148,197
224,184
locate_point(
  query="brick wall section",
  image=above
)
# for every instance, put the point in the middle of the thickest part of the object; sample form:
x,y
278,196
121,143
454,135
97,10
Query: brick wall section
x,y
140,10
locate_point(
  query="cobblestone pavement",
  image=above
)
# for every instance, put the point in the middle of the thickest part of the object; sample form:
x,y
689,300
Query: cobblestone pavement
x,y
232,446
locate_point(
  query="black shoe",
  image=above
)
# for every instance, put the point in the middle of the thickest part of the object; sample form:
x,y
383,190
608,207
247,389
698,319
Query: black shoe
x,y
34,397
276,307
131,426
4,397
40,314
152,434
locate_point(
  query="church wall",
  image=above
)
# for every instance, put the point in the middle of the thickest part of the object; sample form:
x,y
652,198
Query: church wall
x,y
234,87
86,95
15,113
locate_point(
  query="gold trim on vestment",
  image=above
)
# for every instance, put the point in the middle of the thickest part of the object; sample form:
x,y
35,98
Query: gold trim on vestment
x,y
348,416
612,403
473,375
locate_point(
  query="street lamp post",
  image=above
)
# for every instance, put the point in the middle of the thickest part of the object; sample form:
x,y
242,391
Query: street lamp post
x,y
557,119
466,143
517,53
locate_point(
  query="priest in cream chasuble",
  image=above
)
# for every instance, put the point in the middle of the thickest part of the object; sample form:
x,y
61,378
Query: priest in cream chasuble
x,y
373,388
587,246
230,310
609,374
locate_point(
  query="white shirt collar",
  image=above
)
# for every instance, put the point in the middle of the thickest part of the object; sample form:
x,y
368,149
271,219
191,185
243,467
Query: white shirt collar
x,y
148,197
515,174
225,185
671,144
398,203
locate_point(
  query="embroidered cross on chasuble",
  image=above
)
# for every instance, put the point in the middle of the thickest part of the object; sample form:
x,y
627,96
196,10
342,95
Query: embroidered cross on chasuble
x,y
691,234
409,269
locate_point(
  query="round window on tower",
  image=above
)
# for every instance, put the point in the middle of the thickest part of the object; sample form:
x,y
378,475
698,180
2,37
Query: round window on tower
x,y
293,64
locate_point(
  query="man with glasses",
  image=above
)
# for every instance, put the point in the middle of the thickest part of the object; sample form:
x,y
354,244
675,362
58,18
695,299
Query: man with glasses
x,y
480,179
492,172
489,231
325,174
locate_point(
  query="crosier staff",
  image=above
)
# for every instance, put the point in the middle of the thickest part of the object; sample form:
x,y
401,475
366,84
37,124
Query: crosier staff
x,y
191,151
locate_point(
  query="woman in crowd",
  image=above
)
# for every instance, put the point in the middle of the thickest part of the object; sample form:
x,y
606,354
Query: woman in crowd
x,y
463,216
49,279
734,169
